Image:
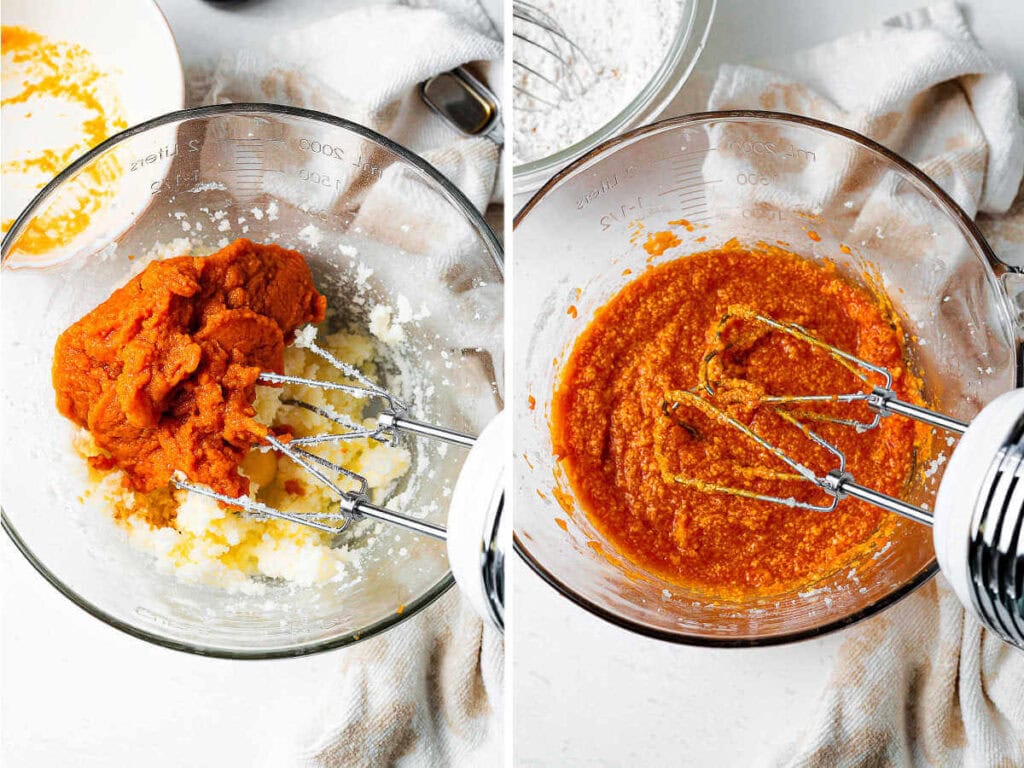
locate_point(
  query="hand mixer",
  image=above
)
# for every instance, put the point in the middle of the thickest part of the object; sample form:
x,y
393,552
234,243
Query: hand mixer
x,y
475,520
978,524
551,67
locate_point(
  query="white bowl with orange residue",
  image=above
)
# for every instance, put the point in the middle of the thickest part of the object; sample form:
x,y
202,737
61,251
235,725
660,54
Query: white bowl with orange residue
x,y
72,79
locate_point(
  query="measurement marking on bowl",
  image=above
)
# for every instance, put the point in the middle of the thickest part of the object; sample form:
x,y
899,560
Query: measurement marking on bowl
x,y
684,153
684,187
694,159
626,212
782,151
688,172
688,164
756,179
333,152
692,198
249,168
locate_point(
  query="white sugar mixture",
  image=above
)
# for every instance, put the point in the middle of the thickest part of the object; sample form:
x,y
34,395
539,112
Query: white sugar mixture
x,y
625,44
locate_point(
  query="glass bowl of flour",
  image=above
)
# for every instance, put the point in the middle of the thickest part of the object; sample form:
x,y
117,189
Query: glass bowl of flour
x,y
641,54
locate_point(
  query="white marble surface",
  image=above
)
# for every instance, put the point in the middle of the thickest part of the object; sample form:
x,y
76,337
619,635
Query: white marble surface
x,y
587,693
78,693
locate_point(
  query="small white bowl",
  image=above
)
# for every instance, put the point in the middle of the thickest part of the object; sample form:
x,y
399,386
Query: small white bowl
x,y
131,42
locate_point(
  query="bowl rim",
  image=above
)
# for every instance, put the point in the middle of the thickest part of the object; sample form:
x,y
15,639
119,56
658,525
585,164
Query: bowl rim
x,y
180,81
457,198
995,266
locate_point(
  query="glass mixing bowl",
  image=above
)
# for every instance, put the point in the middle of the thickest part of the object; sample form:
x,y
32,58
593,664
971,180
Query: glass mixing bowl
x,y
824,192
378,226
678,63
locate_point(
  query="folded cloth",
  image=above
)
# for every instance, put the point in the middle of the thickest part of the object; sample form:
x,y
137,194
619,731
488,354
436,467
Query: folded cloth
x,y
919,84
922,684
428,692
365,65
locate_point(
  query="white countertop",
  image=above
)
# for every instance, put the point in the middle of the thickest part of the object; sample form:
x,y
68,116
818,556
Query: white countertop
x,y
587,693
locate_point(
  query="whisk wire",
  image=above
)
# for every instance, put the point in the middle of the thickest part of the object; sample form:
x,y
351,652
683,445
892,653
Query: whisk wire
x,y
553,66
836,482
855,365
800,472
258,510
354,504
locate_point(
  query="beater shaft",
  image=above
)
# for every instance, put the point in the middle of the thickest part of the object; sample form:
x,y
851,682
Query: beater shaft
x,y
397,518
842,484
425,429
885,403
359,508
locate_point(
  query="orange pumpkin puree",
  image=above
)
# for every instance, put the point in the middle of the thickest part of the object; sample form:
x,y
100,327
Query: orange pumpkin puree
x,y
163,373
613,438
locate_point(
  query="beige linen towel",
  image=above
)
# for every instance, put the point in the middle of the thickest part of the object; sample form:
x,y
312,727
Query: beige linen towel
x,y
365,65
922,684
428,693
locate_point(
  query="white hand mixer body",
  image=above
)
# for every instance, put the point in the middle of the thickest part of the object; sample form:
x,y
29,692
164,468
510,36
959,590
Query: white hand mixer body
x,y
979,517
979,512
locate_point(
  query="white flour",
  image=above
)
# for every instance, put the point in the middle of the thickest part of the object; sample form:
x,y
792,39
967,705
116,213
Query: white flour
x,y
625,43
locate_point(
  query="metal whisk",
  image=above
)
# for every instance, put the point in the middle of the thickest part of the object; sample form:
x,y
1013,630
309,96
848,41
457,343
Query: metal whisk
x,y
392,421
550,68
979,512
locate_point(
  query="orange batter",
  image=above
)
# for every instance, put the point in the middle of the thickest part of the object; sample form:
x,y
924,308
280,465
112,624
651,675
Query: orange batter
x,y
614,437
163,373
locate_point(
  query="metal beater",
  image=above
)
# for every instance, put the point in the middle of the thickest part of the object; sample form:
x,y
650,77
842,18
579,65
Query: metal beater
x,y
475,521
550,67
979,513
